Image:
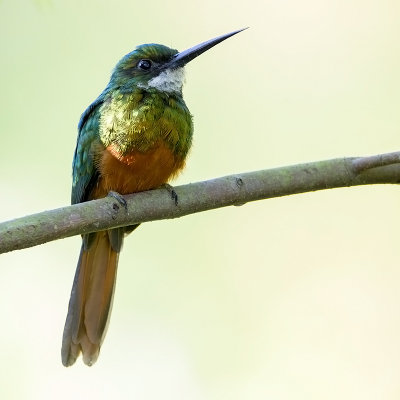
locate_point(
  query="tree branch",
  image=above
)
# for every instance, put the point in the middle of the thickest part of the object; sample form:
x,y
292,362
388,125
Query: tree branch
x,y
230,190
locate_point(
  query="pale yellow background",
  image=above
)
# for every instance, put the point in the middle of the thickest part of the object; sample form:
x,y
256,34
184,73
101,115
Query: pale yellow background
x,y
291,298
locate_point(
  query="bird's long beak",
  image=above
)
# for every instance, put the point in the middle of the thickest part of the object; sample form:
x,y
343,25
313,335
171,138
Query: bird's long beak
x,y
188,55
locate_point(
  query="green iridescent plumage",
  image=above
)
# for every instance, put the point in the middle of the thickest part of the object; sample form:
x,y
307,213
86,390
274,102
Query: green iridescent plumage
x,y
131,115
136,121
135,136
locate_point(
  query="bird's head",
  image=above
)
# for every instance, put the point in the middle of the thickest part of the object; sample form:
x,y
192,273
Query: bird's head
x,y
154,67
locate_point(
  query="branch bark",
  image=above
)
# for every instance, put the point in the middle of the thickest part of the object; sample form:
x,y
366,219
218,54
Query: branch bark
x,y
230,190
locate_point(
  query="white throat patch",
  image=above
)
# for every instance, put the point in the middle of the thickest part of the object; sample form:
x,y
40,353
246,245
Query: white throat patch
x,y
169,81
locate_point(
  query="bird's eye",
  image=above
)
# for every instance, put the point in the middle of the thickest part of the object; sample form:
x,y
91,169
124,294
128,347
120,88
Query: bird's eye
x,y
145,65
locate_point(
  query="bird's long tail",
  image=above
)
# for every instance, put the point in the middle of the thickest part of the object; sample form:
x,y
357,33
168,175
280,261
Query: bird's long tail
x,y
91,297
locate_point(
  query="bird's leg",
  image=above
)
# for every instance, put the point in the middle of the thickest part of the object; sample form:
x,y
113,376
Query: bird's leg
x,y
171,191
117,196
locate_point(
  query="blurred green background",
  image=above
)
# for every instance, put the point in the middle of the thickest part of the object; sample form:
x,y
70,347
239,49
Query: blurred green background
x,y
291,298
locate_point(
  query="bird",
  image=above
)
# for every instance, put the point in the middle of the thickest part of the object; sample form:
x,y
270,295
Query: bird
x,y
134,137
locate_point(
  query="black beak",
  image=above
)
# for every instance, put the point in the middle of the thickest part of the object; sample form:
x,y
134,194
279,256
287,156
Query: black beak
x,y
188,55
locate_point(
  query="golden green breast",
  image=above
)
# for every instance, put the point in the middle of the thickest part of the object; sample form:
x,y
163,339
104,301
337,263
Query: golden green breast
x,y
138,120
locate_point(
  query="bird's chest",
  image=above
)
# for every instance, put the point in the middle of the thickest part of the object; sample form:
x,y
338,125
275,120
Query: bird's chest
x,y
141,145
137,122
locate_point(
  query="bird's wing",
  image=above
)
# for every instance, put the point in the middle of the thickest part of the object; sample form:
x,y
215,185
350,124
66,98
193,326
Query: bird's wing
x,y
84,173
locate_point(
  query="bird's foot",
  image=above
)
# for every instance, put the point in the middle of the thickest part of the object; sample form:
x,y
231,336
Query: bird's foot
x,y
171,191
117,196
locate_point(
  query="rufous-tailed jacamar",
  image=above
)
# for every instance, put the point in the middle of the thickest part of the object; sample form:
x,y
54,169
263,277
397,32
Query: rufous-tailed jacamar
x,y
135,136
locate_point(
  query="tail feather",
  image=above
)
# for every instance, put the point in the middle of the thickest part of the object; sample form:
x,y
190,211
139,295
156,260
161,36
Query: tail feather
x,y
91,301
99,297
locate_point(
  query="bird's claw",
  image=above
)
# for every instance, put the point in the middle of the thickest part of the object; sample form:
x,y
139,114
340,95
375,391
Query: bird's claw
x,y
172,192
117,196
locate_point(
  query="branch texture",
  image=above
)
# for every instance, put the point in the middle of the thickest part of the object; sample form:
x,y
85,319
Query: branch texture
x,y
230,190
